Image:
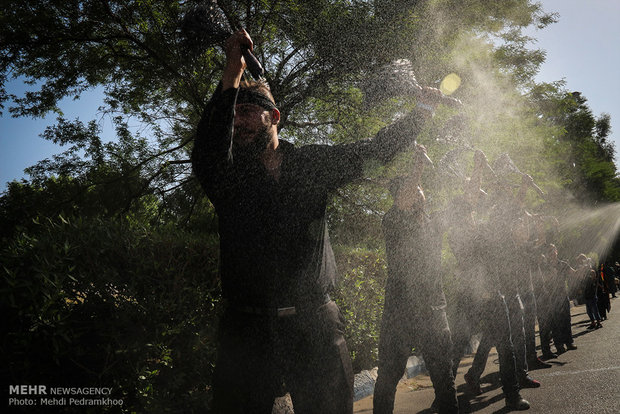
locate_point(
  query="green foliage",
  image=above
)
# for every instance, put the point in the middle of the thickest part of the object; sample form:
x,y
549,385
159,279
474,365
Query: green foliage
x,y
355,214
579,147
133,49
106,303
360,296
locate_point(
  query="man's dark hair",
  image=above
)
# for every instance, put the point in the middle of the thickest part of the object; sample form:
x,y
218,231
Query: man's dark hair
x,y
395,185
260,86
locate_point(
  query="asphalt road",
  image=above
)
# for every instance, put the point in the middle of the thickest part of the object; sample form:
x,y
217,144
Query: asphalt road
x,y
583,381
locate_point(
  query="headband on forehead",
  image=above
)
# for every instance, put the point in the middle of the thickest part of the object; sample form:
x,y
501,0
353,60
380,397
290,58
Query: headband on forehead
x,y
245,96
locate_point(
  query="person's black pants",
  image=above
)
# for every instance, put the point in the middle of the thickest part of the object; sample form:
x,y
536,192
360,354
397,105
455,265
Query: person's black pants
x,y
307,352
561,323
407,324
481,357
517,334
544,327
603,303
495,326
464,317
516,312
529,324
545,312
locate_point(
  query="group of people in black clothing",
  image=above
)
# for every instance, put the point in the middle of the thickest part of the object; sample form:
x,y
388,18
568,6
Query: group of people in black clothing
x,y
508,276
596,289
280,330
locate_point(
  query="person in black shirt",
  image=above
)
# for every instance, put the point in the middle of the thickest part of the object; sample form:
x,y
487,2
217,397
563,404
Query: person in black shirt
x,y
557,273
509,261
530,258
582,273
276,263
604,304
590,291
610,279
482,291
508,234
414,314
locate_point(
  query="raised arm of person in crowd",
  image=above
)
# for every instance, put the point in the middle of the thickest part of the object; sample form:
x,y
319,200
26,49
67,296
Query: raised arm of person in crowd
x,y
527,182
341,164
408,193
481,168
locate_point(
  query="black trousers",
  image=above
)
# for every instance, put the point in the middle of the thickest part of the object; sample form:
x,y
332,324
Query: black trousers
x,y
545,324
603,302
554,322
545,315
408,323
262,357
529,323
493,319
517,334
561,324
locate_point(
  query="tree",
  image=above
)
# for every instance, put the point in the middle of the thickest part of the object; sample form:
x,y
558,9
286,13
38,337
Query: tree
x,y
151,73
110,303
134,49
586,161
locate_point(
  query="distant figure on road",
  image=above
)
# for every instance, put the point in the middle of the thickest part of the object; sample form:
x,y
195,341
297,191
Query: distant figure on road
x,y
590,289
604,304
610,278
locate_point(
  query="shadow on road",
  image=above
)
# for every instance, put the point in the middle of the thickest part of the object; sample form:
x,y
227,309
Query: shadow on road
x,y
471,403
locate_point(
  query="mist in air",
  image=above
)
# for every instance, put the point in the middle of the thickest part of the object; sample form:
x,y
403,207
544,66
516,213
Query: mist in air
x,y
501,118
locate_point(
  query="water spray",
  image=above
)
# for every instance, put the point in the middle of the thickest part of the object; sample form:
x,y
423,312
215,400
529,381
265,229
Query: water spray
x,y
590,230
504,166
204,25
397,79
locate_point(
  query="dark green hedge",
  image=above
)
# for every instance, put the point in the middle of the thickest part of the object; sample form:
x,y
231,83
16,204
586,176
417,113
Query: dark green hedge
x,y
108,303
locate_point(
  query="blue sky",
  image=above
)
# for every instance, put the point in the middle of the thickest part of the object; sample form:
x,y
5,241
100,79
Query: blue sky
x,y
20,144
582,48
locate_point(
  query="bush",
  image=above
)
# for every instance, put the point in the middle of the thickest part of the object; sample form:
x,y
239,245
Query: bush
x,y
360,295
103,303
109,303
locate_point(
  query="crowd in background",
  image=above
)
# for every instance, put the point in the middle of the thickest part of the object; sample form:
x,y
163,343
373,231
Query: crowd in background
x,y
594,287
508,278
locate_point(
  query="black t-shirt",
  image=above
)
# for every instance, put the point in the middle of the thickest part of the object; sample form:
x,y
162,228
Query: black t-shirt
x,y
589,288
556,277
413,251
469,242
274,244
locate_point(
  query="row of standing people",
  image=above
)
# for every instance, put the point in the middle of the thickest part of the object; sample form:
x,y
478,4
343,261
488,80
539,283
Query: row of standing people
x,y
596,289
487,298
508,277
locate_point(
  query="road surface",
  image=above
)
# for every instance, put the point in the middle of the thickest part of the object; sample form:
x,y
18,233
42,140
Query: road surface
x,y
583,381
